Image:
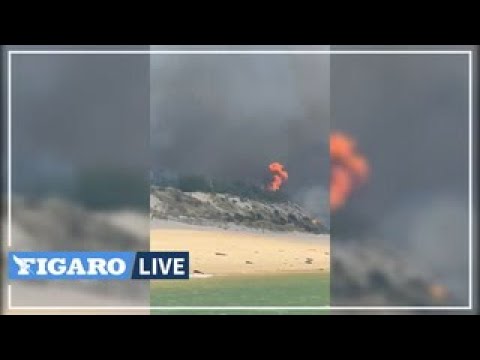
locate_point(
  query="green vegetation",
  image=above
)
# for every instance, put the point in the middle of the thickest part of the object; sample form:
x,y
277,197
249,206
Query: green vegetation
x,y
275,290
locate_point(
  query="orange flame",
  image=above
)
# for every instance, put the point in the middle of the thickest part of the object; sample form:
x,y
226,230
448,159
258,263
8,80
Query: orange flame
x,y
348,169
279,176
438,292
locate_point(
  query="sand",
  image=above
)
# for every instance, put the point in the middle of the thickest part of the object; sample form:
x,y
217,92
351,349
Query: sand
x,y
215,251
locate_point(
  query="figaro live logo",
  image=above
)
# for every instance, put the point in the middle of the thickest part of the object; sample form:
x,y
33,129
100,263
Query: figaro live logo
x,y
97,265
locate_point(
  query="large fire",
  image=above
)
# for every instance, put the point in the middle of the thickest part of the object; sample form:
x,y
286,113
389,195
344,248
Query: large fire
x,y
279,176
349,169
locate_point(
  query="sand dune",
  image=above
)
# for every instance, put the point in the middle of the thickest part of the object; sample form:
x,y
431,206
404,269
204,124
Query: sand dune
x,y
239,252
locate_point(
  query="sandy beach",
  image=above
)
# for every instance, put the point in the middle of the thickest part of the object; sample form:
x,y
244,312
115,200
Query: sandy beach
x,y
217,251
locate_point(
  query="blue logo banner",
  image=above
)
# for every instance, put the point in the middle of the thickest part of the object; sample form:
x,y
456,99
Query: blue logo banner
x,y
93,265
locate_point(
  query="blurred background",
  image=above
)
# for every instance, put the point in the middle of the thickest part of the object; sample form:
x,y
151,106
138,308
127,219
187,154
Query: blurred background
x,y
406,227
80,130
82,161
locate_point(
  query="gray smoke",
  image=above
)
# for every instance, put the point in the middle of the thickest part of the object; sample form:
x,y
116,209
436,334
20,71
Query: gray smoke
x,y
316,200
436,242
76,112
409,115
229,116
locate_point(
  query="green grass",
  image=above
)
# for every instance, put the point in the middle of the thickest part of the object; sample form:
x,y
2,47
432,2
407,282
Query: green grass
x,y
277,290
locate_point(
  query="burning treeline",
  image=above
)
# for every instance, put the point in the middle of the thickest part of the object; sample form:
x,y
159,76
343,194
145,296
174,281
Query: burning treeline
x,y
349,169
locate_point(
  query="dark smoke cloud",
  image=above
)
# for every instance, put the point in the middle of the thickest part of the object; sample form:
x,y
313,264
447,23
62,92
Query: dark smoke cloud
x,y
71,112
409,114
230,116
